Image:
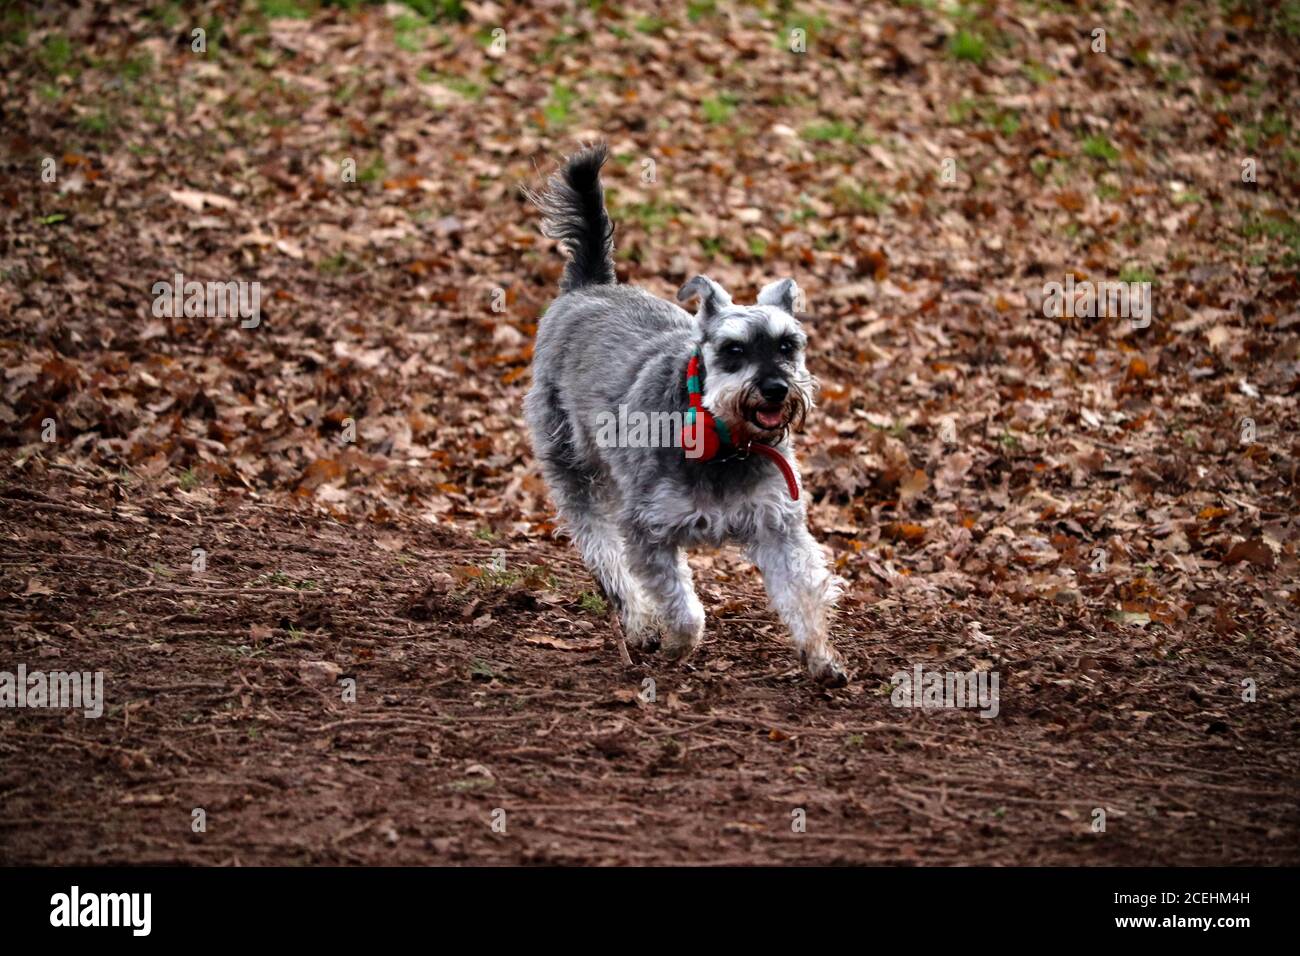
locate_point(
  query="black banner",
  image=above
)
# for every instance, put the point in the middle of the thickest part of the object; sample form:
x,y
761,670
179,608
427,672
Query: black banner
x,y
333,906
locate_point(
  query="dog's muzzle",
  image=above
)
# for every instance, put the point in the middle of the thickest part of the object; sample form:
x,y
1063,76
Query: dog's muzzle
x,y
771,414
772,405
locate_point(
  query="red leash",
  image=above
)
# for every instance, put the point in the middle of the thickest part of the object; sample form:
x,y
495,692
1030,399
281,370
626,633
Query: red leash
x,y
770,453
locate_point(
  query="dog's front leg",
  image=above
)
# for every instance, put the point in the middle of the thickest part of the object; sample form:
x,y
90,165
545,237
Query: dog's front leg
x,y
666,579
803,592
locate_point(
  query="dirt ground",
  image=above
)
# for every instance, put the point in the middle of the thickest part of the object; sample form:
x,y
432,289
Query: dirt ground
x,y
1101,512
478,694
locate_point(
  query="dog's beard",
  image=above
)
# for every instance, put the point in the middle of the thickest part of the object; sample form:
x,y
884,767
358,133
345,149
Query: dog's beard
x,y
739,404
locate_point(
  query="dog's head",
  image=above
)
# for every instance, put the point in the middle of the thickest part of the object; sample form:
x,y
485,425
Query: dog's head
x,y
754,373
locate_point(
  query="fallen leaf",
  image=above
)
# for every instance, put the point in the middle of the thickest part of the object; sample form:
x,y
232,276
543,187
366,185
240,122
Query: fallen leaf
x,y
319,672
563,644
196,201
1254,550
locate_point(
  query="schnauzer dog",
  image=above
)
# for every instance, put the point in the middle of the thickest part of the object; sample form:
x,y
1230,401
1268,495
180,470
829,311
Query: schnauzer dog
x,y
732,375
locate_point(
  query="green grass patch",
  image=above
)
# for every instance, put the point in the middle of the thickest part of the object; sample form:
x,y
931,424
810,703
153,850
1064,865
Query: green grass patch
x,y
334,265
836,131
284,9
651,216
1136,273
1272,127
852,197
961,111
697,10
1174,74
965,110
1282,230
558,41
1279,17
967,47
408,32
1286,17
651,25
97,123
435,10
1037,74
812,25
374,171
558,105
134,68
55,54
719,109
1100,148
590,601
15,23
281,580
804,213
1006,122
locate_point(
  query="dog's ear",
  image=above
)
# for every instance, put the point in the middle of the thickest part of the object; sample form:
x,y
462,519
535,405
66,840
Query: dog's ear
x,y
713,297
782,293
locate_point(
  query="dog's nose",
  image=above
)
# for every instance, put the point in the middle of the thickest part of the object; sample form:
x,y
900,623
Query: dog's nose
x,y
773,389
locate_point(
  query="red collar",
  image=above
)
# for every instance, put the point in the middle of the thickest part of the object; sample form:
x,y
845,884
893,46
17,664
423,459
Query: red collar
x,y
713,435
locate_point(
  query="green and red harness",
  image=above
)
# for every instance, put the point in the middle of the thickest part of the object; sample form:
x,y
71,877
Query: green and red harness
x,y
716,436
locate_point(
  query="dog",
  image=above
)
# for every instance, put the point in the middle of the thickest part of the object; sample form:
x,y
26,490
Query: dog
x,y
733,375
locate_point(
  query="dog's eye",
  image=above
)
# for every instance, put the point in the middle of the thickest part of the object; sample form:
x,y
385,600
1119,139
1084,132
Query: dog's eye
x,y
734,350
789,347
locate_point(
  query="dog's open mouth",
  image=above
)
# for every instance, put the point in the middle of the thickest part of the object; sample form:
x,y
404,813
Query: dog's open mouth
x,y
769,417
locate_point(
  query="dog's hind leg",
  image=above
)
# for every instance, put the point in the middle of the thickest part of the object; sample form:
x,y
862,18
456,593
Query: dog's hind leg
x,y
601,546
665,575
580,495
603,552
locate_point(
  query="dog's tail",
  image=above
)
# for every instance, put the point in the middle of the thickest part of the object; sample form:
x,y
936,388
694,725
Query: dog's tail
x,y
573,212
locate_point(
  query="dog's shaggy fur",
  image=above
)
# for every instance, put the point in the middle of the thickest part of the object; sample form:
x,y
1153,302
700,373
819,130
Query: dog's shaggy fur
x,y
632,510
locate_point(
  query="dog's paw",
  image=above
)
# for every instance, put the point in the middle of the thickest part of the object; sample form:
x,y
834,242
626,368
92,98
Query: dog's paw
x,y
641,628
679,650
644,636
826,668
683,635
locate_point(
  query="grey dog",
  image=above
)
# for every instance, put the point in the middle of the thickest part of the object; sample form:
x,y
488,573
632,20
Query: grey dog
x,y
607,352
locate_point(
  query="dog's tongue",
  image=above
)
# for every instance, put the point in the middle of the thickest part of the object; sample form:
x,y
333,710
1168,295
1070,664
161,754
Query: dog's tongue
x,y
769,419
